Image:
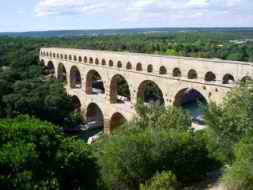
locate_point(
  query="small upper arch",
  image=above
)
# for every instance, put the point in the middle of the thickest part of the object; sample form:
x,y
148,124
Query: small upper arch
x,y
192,74
163,70
85,59
129,66
80,59
103,62
91,60
210,76
177,72
228,79
139,67
119,64
96,61
246,78
150,68
110,63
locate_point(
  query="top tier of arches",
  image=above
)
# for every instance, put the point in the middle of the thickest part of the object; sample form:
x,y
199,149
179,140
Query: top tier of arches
x,y
191,74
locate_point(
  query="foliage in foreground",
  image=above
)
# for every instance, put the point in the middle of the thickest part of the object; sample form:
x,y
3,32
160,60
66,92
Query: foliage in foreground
x,y
240,174
230,122
34,155
133,157
162,181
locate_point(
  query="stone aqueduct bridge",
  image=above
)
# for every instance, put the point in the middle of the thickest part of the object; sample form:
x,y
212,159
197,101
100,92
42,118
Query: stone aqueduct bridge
x,y
172,75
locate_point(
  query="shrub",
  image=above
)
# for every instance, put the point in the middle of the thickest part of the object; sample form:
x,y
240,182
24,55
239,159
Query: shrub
x,y
126,160
34,155
240,174
163,181
162,117
229,122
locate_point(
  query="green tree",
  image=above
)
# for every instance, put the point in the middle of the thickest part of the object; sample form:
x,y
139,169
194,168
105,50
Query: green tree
x,y
229,122
35,155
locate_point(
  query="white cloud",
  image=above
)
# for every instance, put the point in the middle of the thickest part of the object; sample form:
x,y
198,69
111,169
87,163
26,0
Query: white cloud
x,y
58,7
164,12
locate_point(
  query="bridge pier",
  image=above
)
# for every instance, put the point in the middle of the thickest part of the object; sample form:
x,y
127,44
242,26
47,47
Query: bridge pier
x,y
107,127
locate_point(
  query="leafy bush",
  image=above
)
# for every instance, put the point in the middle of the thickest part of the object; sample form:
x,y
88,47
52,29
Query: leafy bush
x,y
240,174
231,121
163,181
34,155
128,159
162,117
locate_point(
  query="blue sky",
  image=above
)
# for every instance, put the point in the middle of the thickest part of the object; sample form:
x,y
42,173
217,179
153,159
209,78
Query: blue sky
x,y
34,15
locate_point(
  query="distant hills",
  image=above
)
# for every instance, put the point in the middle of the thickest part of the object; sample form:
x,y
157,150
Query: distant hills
x,y
78,33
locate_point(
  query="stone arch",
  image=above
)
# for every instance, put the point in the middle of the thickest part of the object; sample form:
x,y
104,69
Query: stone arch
x,y
163,70
228,79
139,67
75,58
53,55
177,72
75,78
70,57
94,83
110,63
192,101
95,116
97,61
119,90
129,66
91,60
62,74
58,55
85,59
192,74
103,62
150,92
210,76
150,69
80,59
61,56
76,103
119,64
117,120
246,78
50,67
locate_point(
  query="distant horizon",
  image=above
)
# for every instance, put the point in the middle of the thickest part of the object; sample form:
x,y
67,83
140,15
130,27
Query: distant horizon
x,y
131,28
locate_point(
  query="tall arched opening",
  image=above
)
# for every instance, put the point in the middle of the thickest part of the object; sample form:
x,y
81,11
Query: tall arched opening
x,y
62,74
94,116
75,78
50,68
193,102
94,83
76,103
116,121
119,90
150,93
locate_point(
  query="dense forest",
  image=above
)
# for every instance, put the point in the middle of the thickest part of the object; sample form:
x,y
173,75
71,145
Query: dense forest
x,y
157,151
